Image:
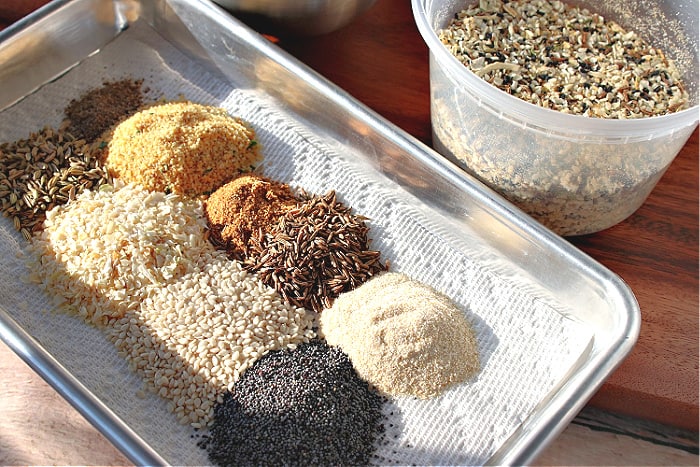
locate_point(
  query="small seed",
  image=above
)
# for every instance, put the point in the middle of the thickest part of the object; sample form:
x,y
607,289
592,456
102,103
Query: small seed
x,y
299,258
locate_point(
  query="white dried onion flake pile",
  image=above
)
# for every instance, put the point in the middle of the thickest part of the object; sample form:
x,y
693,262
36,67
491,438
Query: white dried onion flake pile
x,y
138,265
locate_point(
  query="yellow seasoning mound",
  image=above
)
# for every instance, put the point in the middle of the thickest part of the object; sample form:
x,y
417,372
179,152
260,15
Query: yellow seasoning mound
x,y
181,147
402,336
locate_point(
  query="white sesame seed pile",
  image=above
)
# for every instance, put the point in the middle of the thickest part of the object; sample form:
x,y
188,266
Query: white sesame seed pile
x,y
565,58
188,320
107,251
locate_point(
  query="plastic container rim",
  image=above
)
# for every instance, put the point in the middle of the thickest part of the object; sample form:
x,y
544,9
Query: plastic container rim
x,y
526,114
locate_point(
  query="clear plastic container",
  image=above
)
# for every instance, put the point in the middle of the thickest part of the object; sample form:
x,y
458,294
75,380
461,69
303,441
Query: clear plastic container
x,y
574,174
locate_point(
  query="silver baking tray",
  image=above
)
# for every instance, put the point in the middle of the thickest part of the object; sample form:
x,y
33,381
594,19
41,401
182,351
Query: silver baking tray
x,y
552,323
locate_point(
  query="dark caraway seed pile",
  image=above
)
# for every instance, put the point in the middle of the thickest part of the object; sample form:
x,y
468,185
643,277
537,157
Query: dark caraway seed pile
x,y
315,252
101,108
305,406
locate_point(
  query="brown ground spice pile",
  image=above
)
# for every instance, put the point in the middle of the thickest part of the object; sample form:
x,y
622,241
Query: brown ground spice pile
x,y
99,109
247,204
181,147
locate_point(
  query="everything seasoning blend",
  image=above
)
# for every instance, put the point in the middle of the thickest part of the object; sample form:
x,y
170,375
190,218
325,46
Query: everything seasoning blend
x,y
573,61
564,58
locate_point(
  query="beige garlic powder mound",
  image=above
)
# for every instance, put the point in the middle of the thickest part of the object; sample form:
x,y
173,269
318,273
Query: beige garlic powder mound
x,y
402,336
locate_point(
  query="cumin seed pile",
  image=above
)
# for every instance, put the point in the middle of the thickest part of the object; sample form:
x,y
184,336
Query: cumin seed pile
x,y
315,252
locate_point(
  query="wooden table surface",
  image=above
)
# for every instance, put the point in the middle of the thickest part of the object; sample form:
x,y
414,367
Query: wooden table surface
x,y
381,60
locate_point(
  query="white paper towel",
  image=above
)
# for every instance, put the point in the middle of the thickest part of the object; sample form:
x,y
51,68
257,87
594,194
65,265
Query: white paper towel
x,y
527,348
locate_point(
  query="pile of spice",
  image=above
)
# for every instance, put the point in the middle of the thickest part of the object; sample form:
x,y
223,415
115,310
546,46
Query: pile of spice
x,y
402,336
247,205
565,58
137,264
305,406
315,252
181,147
104,251
47,169
101,108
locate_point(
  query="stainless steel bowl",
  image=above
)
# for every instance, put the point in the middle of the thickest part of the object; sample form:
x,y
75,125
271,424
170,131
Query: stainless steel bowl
x,y
297,17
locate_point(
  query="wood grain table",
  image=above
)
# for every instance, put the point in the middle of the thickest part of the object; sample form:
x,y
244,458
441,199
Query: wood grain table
x,y
647,411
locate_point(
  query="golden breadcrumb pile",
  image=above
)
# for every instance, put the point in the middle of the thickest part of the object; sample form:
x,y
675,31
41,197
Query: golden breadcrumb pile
x,y
181,147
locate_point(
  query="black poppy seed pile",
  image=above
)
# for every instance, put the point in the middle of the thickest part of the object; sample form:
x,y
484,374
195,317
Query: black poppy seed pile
x,y
305,406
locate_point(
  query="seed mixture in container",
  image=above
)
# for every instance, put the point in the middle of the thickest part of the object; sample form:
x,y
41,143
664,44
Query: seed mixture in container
x,y
592,162
564,58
